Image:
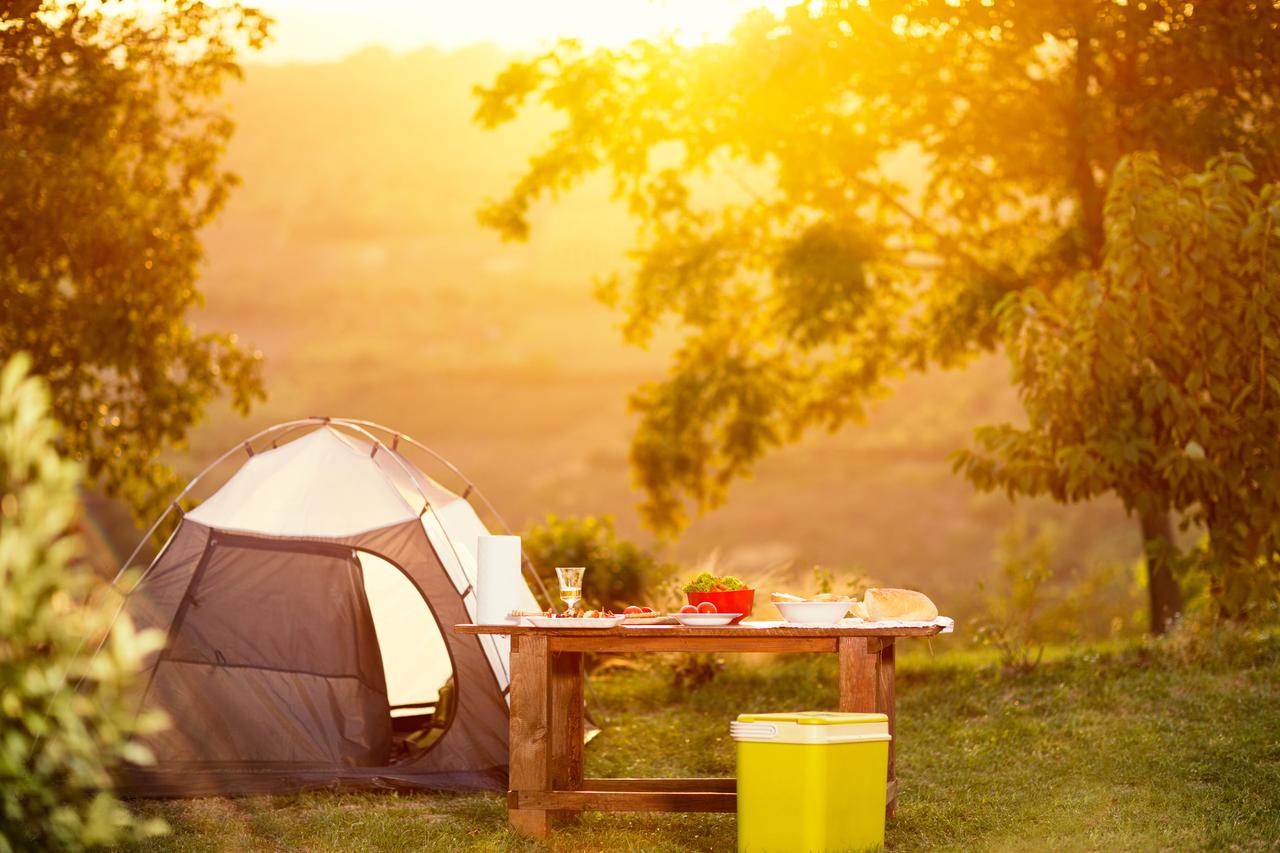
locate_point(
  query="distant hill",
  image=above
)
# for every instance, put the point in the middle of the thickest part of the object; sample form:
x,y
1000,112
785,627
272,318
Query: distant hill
x,y
351,256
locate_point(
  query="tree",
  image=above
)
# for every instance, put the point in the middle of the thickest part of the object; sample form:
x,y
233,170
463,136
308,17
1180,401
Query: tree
x,y
57,745
779,231
1157,377
110,140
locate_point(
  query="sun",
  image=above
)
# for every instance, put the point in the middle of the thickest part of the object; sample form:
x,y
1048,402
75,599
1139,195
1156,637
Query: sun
x,y
330,29
689,21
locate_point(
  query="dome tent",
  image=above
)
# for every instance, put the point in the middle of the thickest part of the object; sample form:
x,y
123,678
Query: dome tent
x,y
307,606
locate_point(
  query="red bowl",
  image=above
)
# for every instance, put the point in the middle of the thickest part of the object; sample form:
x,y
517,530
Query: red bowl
x,y
733,601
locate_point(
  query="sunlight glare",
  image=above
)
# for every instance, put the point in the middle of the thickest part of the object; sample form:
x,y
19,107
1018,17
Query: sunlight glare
x,y
330,29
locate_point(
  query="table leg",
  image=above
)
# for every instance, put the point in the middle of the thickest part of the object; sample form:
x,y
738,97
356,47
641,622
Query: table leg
x,y
866,686
885,700
858,674
566,721
530,768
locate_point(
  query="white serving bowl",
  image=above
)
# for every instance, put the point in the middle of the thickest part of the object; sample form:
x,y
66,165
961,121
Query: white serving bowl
x,y
813,612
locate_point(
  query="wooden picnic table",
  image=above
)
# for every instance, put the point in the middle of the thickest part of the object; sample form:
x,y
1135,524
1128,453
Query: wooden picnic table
x,y
546,735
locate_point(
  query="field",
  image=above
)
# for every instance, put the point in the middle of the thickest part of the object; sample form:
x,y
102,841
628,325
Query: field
x,y
352,259
1107,747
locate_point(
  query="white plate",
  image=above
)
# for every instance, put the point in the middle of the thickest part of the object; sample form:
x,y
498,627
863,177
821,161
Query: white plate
x,y
813,612
652,619
705,620
553,622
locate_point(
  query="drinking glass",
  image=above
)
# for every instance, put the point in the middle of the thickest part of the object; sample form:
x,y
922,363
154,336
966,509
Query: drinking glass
x,y
570,586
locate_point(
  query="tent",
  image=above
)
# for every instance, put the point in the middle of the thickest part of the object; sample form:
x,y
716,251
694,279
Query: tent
x,y
307,605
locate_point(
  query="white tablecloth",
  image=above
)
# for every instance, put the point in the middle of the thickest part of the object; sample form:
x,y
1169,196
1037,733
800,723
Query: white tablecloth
x,y
946,622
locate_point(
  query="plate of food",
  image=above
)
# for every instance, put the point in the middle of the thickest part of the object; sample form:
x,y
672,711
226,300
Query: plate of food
x,y
706,620
642,615
576,619
705,615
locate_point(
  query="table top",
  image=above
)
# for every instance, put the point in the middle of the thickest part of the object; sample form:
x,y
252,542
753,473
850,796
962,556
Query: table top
x,y
746,629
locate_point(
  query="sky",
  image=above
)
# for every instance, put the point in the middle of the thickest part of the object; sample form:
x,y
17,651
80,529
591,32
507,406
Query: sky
x,y
332,29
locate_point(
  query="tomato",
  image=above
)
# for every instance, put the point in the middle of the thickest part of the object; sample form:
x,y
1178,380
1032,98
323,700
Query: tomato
x,y
689,608
707,607
632,610
647,610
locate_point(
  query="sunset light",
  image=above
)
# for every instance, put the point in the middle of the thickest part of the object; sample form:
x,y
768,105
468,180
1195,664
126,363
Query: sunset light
x,y
801,426
329,29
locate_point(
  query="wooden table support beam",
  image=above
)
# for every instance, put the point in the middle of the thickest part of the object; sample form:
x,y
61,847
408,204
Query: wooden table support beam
x,y
634,641
628,801
643,795
706,783
530,768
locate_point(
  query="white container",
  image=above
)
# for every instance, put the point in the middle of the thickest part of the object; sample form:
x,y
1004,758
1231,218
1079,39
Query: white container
x,y
499,587
813,612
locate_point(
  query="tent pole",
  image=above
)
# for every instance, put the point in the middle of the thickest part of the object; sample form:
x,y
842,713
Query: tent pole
x,y
196,479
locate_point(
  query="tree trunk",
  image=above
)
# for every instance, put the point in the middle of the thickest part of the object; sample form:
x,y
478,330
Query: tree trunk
x,y
1080,133
1162,587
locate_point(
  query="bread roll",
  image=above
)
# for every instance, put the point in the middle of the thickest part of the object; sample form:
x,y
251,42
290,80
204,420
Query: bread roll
x,y
905,604
858,610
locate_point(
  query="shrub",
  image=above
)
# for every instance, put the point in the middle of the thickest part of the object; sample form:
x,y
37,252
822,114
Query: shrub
x,y
1208,643
1018,613
618,572
58,744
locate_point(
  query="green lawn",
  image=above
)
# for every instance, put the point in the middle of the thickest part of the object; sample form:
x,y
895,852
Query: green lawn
x,y
1100,749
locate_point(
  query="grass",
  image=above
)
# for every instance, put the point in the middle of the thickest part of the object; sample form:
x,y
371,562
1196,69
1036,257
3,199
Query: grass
x,y
1104,748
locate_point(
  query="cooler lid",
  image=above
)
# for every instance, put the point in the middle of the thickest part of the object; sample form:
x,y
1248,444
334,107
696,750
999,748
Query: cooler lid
x,y
810,727
814,718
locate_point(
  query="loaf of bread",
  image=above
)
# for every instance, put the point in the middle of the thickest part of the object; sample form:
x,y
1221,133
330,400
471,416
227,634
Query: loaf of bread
x,y
905,604
857,610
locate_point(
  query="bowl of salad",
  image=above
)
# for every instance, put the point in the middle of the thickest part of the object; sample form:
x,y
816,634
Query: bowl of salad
x,y
728,594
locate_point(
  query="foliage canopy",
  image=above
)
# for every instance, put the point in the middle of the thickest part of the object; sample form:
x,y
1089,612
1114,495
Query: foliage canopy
x,y
780,230
110,141
1157,377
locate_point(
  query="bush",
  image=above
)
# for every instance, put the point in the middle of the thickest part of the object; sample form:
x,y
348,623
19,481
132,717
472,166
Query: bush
x,y
57,744
618,572
1214,644
1018,613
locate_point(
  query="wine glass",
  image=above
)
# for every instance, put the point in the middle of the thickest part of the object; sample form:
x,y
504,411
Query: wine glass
x,y
570,586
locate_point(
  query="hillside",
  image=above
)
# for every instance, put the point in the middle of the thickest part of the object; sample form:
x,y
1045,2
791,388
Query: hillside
x,y
351,257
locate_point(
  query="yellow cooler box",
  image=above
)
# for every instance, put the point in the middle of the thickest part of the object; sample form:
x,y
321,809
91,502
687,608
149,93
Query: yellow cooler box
x,y
811,781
